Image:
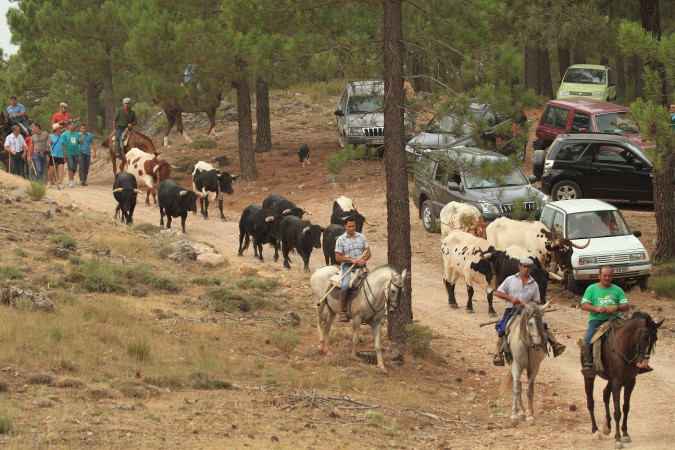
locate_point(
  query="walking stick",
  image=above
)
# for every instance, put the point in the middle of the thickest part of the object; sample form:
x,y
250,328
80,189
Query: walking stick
x,y
341,278
495,321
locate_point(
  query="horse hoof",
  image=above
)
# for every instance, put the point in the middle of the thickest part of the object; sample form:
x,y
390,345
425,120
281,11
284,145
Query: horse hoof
x,y
626,439
618,444
597,435
492,314
530,420
469,311
521,417
514,421
454,305
606,429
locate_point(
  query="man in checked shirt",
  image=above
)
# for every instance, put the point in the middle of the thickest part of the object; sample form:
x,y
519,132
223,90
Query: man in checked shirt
x,y
351,249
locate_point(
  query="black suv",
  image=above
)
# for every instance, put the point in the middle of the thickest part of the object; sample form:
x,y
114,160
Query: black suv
x,y
447,175
589,165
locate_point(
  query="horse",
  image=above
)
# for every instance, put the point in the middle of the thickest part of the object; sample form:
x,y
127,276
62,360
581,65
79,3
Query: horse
x,y
136,140
626,348
208,102
527,346
379,293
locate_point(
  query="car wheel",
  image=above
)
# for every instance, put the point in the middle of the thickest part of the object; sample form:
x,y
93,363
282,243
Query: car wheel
x,y
342,140
642,282
573,285
428,217
566,190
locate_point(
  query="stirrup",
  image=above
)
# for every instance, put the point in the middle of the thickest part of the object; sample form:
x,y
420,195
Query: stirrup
x,y
343,317
558,349
498,360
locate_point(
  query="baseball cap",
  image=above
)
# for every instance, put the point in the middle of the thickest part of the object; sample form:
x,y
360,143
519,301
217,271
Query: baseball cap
x,y
56,126
126,100
526,261
63,104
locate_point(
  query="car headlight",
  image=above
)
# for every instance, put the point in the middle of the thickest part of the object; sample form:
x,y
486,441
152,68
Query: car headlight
x,y
548,165
637,256
564,92
490,208
356,131
588,260
597,94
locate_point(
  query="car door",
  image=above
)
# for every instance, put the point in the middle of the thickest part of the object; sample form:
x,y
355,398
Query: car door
x,y
617,172
342,118
440,195
553,122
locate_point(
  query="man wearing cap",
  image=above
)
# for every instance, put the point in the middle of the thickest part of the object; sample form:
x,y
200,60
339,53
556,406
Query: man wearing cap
x,y
62,117
17,114
124,118
518,290
16,147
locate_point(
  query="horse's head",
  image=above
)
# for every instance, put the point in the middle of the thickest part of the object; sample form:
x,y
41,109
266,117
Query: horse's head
x,y
646,337
394,290
532,326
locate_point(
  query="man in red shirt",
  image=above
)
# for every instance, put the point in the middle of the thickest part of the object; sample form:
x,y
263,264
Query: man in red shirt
x,y
62,117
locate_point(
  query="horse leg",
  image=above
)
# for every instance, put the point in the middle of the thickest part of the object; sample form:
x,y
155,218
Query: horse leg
x,y
491,310
320,325
179,127
469,302
616,397
147,196
211,114
531,376
170,121
378,347
590,402
606,393
451,294
627,391
517,397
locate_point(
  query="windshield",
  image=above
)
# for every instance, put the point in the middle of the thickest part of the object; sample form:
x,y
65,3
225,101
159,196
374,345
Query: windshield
x,y
365,104
457,124
585,76
596,224
515,178
617,123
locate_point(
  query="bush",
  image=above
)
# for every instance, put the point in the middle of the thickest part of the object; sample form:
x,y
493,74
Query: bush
x,y
99,276
418,339
203,143
140,351
63,239
662,280
36,190
5,425
338,161
10,273
285,340
255,283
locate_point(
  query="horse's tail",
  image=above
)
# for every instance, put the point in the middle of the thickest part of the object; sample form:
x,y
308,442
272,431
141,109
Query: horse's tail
x,y
507,384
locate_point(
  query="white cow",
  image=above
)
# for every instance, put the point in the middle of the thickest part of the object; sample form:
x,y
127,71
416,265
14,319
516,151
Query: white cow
x,y
147,169
457,215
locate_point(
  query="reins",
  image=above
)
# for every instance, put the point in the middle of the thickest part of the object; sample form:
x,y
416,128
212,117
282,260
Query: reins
x,y
639,355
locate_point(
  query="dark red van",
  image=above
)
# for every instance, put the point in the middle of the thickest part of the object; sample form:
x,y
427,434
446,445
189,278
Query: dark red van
x,y
583,115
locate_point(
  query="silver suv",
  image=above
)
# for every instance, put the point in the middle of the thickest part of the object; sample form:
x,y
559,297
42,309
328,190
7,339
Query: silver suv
x,y
360,116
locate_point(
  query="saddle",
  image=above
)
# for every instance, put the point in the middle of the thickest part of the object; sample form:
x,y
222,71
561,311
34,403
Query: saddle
x,y
355,283
596,342
124,138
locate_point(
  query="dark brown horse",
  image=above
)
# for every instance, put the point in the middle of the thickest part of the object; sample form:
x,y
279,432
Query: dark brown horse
x,y
626,348
136,140
208,102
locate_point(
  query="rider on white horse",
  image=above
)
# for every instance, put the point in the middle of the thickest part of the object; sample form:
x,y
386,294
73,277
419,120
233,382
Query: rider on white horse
x,y
351,248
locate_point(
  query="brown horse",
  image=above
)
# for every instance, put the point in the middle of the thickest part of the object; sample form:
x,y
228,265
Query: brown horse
x,y
208,102
626,348
136,140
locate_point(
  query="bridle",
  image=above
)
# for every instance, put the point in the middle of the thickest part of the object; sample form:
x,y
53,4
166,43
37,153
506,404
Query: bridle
x,y
639,354
387,300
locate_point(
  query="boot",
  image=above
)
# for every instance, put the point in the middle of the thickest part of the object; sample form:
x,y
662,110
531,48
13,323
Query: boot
x,y
344,316
588,357
557,347
118,149
498,359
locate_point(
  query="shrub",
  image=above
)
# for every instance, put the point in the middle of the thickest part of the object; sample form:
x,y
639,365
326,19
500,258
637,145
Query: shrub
x,y
165,283
63,239
338,161
36,190
267,284
10,273
140,351
285,340
99,276
223,299
203,143
418,339
5,425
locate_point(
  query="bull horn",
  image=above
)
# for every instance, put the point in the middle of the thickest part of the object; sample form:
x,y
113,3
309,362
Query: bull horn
x,y
269,219
117,190
182,193
286,212
581,246
487,256
138,191
555,276
305,230
304,211
173,167
155,169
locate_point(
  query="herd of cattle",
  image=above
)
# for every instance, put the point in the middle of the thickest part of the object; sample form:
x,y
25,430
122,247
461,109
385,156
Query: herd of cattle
x,y
479,254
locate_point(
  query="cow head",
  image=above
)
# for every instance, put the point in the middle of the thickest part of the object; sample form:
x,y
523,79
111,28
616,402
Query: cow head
x,y
295,211
313,232
187,200
225,182
485,265
561,252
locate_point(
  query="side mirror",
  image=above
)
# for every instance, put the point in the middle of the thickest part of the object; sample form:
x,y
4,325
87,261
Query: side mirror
x,y
611,83
637,233
452,186
538,163
533,179
338,112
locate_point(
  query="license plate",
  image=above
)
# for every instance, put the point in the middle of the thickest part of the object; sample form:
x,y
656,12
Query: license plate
x,y
620,269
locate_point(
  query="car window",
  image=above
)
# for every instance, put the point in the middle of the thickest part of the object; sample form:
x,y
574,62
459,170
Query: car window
x,y
557,224
581,121
612,154
365,104
570,152
515,178
585,76
596,224
555,116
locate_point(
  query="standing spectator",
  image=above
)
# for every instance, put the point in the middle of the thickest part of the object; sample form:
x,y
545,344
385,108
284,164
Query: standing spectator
x,y
16,147
38,151
62,117
72,141
87,150
411,104
57,147
28,165
17,114
124,118
672,115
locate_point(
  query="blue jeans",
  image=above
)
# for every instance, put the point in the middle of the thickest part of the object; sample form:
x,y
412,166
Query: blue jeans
x,y
40,163
500,326
85,159
345,280
16,164
118,135
592,326
73,162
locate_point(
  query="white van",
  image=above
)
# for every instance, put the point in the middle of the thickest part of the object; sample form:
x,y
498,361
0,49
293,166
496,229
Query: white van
x,y
611,242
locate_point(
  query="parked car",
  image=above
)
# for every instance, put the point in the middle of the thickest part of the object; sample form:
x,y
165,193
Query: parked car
x,y
588,80
360,117
593,165
583,115
611,242
458,175
478,126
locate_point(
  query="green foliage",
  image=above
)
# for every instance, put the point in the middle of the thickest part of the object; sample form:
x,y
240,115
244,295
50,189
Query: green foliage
x,y
338,161
418,339
5,425
373,418
63,240
165,283
147,228
285,340
11,273
140,351
20,253
223,299
100,275
662,280
36,190
266,284
203,143
185,164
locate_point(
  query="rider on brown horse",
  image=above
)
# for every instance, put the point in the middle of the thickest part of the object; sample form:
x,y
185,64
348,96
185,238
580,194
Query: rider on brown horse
x,y
124,118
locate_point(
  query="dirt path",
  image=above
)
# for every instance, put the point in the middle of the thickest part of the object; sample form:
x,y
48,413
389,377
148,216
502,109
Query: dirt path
x,y
560,409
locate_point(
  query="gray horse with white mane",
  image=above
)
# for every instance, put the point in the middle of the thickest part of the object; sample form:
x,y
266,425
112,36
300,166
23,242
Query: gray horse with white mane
x,y
527,346
379,294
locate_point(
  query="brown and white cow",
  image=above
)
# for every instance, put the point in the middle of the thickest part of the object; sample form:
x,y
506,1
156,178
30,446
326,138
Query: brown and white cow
x,y
148,170
462,216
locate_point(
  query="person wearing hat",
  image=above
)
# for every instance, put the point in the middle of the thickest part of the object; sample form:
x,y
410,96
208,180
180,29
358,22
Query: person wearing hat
x,y
17,114
518,290
16,147
57,147
62,117
124,118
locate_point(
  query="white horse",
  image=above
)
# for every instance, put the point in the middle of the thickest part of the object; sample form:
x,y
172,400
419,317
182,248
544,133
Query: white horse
x,y
528,346
380,291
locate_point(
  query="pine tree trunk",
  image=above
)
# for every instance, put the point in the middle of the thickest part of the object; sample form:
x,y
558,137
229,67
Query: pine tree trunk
x,y
398,213
545,73
563,60
619,74
421,76
532,69
664,208
91,93
249,171
263,130
108,94
651,22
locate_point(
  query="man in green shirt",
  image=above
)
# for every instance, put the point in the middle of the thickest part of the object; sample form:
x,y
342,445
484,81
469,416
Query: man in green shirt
x,y
124,117
71,142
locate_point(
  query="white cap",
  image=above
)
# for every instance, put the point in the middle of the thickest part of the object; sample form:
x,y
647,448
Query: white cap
x,y
526,261
126,100
63,104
